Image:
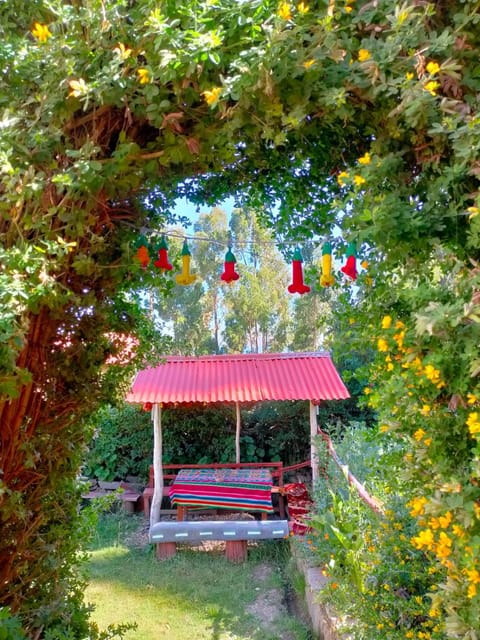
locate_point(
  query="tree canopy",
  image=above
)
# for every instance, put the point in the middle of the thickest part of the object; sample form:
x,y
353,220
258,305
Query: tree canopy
x,y
341,112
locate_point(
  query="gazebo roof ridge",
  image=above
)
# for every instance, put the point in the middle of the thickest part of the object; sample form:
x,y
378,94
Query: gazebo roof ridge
x,y
248,356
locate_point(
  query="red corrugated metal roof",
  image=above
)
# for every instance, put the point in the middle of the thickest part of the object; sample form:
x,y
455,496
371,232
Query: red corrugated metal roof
x,y
240,378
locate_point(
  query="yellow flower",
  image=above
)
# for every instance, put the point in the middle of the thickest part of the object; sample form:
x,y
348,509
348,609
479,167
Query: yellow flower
x,y
476,510
398,337
212,96
473,575
383,428
433,68
419,434
428,442
143,76
367,390
308,63
471,398
458,531
382,344
341,178
77,88
303,8
122,51
473,423
432,374
365,159
432,87
417,506
386,322
363,55
472,591
424,539
41,32
443,548
359,180
348,9
425,410
444,521
284,11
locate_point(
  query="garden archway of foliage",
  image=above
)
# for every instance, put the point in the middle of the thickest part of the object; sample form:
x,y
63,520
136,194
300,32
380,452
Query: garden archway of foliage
x,y
351,110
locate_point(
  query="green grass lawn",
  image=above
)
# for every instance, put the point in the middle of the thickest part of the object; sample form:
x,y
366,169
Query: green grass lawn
x,y
194,596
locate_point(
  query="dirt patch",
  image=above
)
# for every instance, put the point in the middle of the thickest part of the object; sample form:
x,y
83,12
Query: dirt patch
x,y
270,606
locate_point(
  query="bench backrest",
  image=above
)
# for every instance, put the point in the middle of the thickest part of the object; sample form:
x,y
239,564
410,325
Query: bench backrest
x,y
170,470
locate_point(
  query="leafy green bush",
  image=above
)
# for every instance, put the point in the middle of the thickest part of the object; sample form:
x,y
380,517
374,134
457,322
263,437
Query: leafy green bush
x,y
122,443
123,438
377,578
10,626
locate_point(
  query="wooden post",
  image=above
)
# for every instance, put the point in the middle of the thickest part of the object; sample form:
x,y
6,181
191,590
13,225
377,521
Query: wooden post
x,y
236,551
166,550
157,465
237,433
313,449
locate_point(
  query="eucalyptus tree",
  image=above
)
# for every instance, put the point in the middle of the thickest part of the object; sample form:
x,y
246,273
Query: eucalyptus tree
x,y
257,317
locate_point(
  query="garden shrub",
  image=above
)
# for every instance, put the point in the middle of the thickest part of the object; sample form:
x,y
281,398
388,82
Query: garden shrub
x,y
123,437
121,445
379,583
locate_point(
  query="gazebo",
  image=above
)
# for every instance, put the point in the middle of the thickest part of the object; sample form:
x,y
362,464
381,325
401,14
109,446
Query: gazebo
x,y
235,379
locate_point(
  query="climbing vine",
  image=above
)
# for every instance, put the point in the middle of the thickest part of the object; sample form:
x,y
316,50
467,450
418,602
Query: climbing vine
x,y
348,112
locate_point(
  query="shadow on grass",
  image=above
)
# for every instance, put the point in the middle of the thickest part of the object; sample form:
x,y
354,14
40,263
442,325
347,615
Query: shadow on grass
x,y
196,594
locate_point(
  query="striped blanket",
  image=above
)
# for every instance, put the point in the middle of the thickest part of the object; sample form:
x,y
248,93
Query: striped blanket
x,y
236,489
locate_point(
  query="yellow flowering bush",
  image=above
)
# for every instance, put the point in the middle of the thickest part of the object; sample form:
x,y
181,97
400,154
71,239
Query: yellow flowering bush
x,y
419,408
382,568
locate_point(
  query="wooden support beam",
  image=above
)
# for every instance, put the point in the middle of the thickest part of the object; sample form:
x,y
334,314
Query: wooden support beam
x,y
237,432
157,465
313,450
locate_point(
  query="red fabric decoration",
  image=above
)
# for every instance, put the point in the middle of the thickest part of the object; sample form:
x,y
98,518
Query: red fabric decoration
x,y
147,406
350,267
297,286
162,263
229,274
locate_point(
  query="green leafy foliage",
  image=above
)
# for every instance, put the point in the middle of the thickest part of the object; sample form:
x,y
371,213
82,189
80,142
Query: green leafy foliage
x,y
121,445
10,626
358,114
380,583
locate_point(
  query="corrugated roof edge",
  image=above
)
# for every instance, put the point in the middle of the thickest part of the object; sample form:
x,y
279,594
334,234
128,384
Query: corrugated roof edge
x,y
247,356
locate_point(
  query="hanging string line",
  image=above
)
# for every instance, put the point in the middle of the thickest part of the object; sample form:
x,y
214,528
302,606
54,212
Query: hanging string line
x,y
228,241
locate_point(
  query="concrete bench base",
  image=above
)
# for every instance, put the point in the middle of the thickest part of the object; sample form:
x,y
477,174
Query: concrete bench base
x,y
236,533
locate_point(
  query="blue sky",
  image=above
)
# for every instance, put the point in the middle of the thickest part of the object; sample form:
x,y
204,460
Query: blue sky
x,y
186,208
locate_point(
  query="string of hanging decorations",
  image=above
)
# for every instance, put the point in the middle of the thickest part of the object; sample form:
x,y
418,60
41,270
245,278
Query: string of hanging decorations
x,y
229,274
